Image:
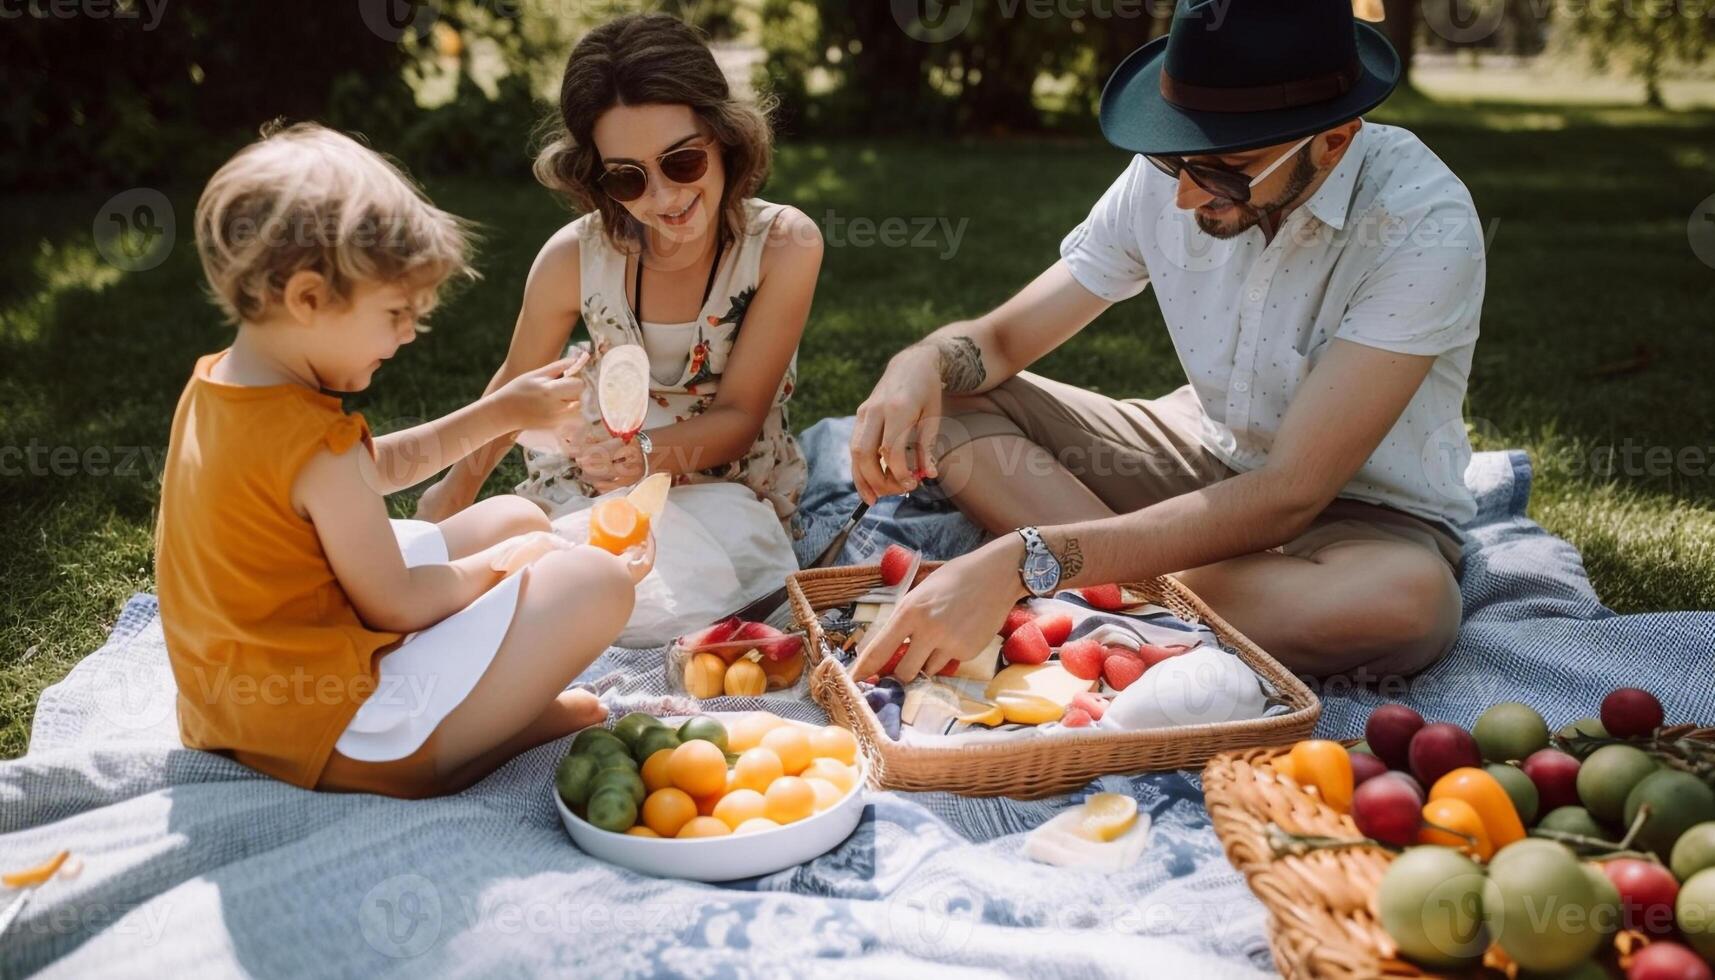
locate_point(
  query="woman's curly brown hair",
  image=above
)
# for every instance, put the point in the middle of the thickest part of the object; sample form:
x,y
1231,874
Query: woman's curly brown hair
x,y
644,59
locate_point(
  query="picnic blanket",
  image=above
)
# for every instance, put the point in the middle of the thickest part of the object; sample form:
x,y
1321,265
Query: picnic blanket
x,y
195,864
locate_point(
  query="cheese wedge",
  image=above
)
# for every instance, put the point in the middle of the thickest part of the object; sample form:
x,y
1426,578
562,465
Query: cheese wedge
x,y
981,667
1050,681
872,612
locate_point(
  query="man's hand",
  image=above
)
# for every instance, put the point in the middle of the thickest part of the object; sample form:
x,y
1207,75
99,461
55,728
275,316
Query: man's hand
x,y
952,615
546,398
898,422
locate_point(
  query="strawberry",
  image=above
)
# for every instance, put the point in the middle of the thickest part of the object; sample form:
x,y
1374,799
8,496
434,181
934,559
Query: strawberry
x,y
775,645
1152,654
1121,650
1121,671
895,562
1091,703
1107,597
1014,619
1083,658
1026,645
720,632
1055,627
1076,718
893,661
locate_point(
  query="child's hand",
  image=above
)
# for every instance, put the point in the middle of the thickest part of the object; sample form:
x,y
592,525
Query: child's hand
x,y
517,553
546,398
640,559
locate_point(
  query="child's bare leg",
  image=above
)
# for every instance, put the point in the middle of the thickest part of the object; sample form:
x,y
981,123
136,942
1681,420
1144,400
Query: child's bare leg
x,y
490,521
570,607
570,712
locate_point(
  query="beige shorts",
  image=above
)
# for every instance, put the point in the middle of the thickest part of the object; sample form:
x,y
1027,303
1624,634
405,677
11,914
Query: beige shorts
x,y
1135,452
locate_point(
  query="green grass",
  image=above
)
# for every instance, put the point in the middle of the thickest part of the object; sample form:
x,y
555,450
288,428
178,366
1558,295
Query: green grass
x,y
1589,208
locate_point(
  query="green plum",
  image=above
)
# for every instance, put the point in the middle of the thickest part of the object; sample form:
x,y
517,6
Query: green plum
x,y
1677,800
1431,903
1519,788
1510,731
1605,779
1538,902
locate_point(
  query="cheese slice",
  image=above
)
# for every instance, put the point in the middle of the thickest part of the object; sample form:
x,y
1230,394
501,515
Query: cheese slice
x,y
1050,681
981,667
872,612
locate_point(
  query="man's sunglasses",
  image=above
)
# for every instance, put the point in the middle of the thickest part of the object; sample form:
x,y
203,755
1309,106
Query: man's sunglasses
x,y
626,182
1219,181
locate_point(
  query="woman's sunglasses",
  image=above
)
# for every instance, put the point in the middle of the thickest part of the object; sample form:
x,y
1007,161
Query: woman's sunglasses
x,y
626,182
1219,181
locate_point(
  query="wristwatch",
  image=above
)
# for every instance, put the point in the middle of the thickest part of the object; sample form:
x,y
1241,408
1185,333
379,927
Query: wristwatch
x,y
1039,569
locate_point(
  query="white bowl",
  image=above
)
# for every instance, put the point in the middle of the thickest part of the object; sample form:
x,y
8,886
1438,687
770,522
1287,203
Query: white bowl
x,y
722,858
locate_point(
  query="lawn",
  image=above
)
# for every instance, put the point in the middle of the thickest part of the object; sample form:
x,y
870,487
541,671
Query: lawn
x,y
1596,334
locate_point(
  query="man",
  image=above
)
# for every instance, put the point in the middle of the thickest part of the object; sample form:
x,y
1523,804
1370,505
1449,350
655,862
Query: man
x,y
1321,279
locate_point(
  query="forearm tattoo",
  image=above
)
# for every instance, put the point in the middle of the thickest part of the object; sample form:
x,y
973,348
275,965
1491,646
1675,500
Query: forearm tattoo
x,y
1071,559
961,365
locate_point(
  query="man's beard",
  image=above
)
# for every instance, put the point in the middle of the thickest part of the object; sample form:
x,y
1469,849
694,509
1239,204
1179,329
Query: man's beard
x,y
1246,216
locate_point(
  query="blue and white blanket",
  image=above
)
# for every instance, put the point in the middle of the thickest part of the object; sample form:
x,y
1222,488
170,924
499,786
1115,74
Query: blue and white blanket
x,y
195,865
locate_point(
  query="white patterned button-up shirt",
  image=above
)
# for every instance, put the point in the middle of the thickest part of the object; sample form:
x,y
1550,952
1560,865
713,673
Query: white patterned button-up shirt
x,y
1388,252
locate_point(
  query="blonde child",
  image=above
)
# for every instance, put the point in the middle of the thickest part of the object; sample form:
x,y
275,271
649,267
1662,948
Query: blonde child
x,y
311,638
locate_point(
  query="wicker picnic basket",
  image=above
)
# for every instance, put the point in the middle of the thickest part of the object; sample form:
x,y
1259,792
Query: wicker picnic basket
x,y
1321,905
1036,767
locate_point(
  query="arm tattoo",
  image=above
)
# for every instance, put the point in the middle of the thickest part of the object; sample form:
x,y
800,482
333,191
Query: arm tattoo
x,y
962,369
1071,559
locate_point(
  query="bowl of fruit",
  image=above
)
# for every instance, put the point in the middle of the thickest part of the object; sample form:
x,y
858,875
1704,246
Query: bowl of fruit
x,y
712,797
1507,848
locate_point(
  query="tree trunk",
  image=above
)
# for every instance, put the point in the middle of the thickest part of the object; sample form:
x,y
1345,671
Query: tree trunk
x,y
1400,26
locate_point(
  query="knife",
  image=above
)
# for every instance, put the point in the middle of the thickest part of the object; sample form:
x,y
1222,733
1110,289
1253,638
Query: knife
x,y
767,608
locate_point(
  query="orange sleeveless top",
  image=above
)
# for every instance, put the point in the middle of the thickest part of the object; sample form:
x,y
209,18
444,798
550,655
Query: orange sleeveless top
x,y
270,657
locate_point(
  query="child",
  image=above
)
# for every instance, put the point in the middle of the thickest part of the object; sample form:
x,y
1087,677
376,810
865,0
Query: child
x,y
309,638
673,253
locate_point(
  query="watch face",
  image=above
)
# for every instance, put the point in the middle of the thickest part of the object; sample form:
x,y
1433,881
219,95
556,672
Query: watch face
x,y
1041,573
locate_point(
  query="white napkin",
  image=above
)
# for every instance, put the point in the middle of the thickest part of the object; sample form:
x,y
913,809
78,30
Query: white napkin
x,y
1057,842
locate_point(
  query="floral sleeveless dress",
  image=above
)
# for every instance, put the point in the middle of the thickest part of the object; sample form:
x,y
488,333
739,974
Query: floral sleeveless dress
x,y
774,467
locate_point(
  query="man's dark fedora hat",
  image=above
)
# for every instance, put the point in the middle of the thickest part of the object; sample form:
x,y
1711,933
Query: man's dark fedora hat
x,y
1234,75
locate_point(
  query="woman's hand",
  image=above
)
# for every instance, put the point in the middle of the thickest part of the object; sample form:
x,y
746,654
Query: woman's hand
x,y
546,398
896,426
640,559
951,615
608,464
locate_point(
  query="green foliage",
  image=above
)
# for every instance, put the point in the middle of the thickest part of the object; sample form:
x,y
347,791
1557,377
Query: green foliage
x,y
1644,37
126,99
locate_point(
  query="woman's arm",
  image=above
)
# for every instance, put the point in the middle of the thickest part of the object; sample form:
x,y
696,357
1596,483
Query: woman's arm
x,y
773,327
545,322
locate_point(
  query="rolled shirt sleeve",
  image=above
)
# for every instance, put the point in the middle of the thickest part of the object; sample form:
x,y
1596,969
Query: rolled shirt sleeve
x,y
1103,252
1425,296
